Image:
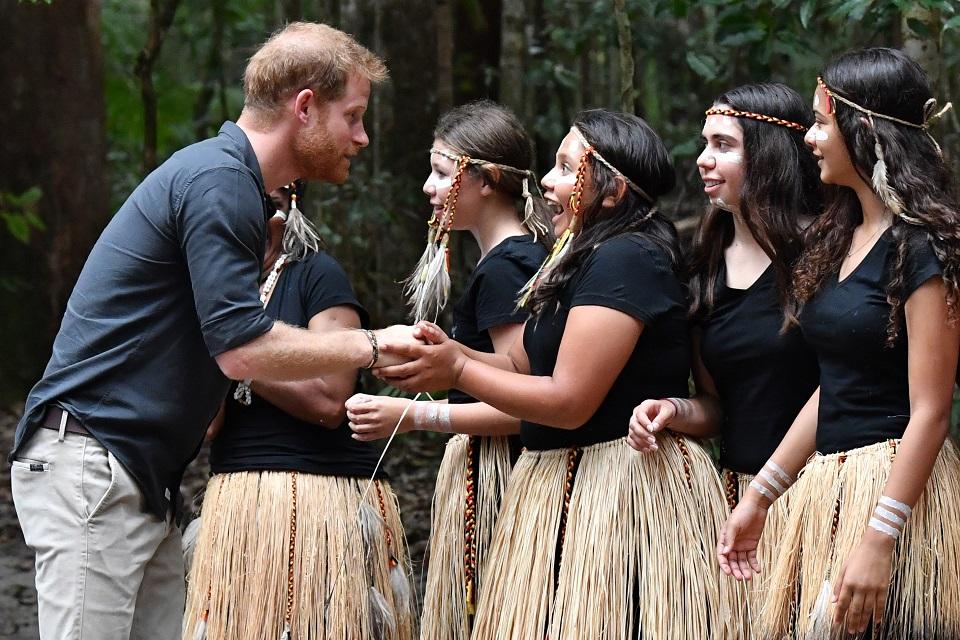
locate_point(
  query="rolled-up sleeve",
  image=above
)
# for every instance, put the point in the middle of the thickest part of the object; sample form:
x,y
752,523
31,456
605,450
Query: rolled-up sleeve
x,y
222,229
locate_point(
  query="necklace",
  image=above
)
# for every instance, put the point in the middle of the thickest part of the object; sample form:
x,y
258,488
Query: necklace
x,y
272,279
866,242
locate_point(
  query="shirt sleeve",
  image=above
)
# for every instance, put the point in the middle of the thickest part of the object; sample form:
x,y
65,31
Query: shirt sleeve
x,y
326,285
497,288
222,230
628,276
921,263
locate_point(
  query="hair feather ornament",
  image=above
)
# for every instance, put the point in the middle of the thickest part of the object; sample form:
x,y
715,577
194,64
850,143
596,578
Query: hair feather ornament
x,y
562,246
428,287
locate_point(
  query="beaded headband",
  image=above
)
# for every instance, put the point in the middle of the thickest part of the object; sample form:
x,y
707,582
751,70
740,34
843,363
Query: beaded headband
x,y
756,116
591,150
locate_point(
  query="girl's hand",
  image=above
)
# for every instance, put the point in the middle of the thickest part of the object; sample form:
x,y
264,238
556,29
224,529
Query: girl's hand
x,y
431,367
375,417
649,418
737,547
860,591
429,332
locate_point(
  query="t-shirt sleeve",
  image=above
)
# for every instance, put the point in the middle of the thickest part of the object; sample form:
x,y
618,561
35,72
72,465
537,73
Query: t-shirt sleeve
x,y
221,232
326,285
497,288
627,276
921,263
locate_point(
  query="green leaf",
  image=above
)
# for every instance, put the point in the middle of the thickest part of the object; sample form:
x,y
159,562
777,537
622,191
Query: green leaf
x,y
806,11
17,226
702,64
744,37
684,149
919,27
952,23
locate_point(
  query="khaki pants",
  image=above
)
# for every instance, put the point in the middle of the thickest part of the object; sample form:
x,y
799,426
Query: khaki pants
x,y
106,570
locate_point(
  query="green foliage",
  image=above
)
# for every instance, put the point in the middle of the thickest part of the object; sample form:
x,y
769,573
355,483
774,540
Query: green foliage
x,y
19,213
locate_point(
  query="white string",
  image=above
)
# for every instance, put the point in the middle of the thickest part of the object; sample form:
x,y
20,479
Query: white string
x,y
363,497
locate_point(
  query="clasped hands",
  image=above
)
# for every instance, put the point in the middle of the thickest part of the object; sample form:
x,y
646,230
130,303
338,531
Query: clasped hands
x,y
428,362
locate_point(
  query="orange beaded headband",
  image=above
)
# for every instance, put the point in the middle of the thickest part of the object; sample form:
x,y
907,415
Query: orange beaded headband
x,y
717,111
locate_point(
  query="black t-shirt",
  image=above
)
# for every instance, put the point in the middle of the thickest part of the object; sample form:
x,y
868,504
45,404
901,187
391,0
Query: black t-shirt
x,y
763,378
864,390
632,275
261,436
170,284
490,299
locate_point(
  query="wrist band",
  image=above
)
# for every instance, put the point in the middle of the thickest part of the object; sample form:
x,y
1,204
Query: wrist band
x,y
375,348
443,411
776,480
890,517
763,490
679,406
883,527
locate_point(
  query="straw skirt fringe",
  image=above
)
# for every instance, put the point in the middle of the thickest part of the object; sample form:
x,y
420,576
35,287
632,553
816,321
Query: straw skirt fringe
x,y
735,485
446,613
635,542
238,584
841,491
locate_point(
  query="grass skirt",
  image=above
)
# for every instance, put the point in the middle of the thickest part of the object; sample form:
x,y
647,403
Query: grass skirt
x,y
239,583
485,463
604,542
843,489
735,485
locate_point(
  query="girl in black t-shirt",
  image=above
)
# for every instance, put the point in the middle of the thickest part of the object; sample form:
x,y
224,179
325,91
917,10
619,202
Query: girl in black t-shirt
x,y
751,378
481,182
872,544
595,540
279,520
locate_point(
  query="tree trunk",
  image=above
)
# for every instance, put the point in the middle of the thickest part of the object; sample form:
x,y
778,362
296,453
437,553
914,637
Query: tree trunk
x,y
920,28
161,17
54,123
512,45
625,42
444,18
213,80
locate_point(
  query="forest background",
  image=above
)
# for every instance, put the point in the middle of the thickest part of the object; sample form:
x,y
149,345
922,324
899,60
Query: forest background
x,y
96,93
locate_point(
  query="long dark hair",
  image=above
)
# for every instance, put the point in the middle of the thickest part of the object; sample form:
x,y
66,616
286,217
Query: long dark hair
x,y
886,81
781,185
630,145
485,130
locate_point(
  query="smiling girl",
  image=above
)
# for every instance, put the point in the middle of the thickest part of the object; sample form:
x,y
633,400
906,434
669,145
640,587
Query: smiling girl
x,y
871,545
751,379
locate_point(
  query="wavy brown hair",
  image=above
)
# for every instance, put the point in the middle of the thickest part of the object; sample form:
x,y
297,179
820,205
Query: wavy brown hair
x,y
885,81
781,185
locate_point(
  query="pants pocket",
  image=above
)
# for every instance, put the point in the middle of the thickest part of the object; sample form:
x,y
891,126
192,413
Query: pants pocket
x,y
98,479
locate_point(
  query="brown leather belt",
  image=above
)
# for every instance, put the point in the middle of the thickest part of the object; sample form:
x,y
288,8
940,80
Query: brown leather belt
x,y
51,420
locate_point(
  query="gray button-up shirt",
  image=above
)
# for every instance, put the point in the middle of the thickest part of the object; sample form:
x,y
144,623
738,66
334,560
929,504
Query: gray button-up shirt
x,y
171,283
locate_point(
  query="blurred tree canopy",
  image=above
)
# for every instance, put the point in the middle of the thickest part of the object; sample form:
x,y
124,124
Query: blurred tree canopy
x,y
101,91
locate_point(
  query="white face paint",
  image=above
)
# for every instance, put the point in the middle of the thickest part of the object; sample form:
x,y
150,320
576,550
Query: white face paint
x,y
816,100
438,183
820,135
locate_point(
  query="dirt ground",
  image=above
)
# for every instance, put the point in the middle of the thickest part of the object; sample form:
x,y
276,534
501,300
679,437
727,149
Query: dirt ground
x,y
411,461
